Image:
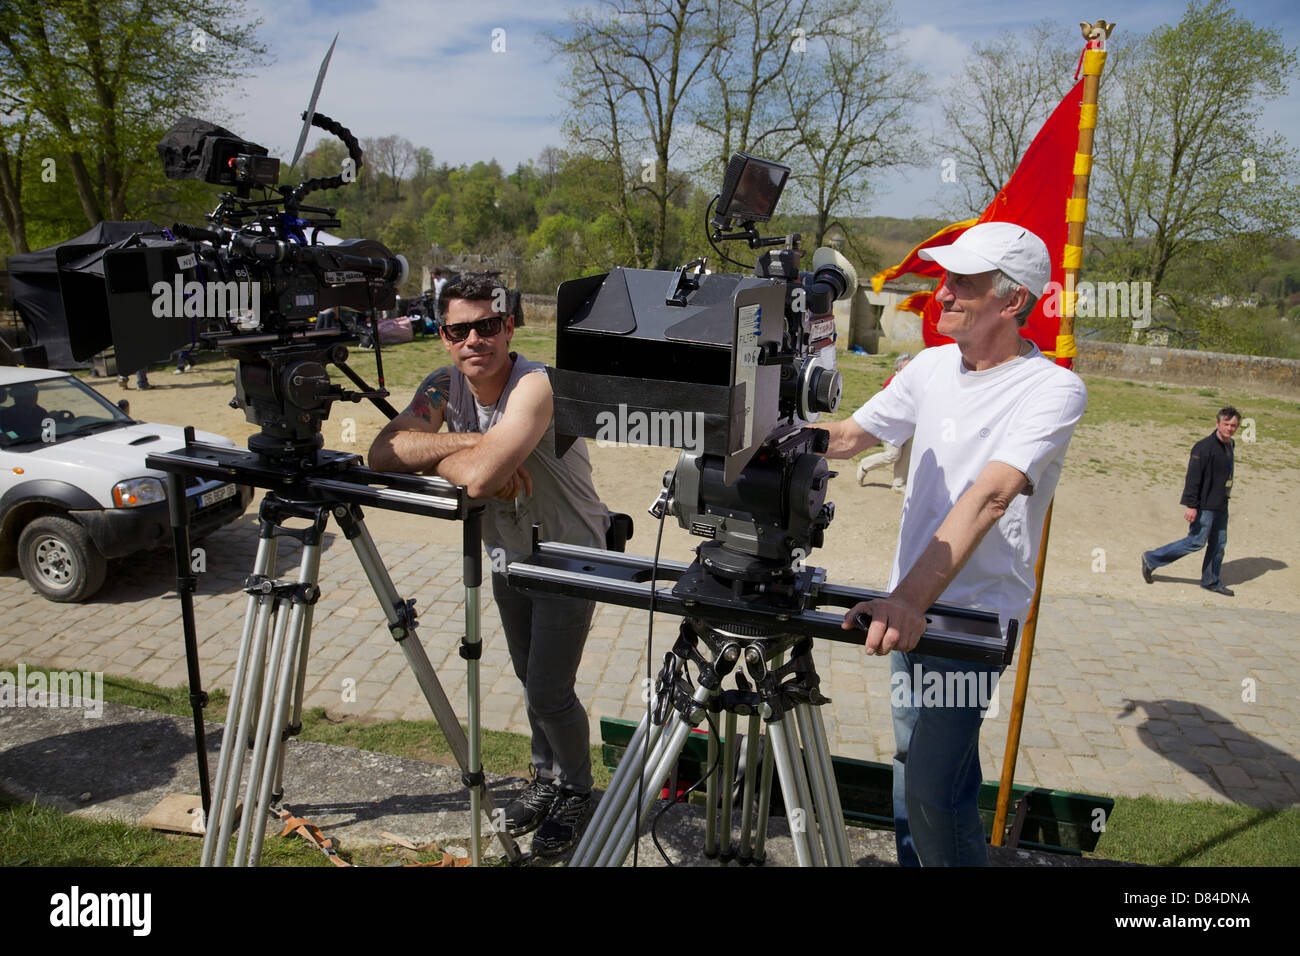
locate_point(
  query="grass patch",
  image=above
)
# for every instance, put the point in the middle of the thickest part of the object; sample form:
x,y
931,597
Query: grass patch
x,y
32,835
1192,410
1169,833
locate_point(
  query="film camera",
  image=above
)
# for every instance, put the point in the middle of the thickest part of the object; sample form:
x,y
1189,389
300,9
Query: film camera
x,y
752,356
254,282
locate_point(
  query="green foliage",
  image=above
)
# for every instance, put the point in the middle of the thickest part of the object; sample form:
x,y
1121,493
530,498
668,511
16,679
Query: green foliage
x,y
87,91
1182,163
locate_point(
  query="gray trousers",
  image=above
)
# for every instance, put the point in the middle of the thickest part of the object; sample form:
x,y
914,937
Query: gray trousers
x,y
546,635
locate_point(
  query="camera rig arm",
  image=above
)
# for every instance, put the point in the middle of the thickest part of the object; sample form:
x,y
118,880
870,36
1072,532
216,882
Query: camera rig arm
x,y
293,196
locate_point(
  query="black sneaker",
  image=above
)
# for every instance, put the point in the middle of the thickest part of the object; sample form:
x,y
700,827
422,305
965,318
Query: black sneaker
x,y
526,812
1146,570
559,831
1220,589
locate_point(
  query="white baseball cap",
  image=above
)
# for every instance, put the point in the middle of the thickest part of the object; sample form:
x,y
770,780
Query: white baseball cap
x,y
997,245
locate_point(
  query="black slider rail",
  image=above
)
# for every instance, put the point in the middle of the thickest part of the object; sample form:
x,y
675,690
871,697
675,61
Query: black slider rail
x,y
954,632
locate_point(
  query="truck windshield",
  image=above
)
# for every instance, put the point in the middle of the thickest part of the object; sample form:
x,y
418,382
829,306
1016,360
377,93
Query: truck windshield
x,y
51,409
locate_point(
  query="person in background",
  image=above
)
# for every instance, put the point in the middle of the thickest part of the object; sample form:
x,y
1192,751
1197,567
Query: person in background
x,y
1205,502
900,456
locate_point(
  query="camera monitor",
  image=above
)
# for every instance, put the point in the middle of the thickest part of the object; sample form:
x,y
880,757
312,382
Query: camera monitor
x,y
751,189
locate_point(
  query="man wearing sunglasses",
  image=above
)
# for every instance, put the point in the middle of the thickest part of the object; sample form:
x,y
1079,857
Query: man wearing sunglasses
x,y
499,442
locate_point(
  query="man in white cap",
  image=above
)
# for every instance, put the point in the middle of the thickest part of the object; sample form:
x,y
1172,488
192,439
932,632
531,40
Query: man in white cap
x,y
990,418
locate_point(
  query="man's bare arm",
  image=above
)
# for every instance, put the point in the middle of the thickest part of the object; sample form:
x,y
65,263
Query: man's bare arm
x,y
492,463
414,441
847,438
897,622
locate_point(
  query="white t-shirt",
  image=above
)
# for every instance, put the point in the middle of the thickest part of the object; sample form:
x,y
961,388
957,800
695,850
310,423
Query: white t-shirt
x,y
1022,413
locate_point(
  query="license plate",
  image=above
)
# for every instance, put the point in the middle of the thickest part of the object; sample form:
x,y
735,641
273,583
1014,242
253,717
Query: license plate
x,y
209,498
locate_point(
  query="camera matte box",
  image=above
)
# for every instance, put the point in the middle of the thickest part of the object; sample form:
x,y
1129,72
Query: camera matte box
x,y
618,343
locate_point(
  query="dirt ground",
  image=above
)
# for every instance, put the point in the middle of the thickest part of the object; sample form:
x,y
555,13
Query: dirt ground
x,y
1109,508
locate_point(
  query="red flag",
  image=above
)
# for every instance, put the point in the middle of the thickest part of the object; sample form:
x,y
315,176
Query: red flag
x,y
1034,197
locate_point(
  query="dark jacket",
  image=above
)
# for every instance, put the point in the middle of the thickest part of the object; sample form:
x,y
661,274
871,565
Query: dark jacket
x,y
1209,475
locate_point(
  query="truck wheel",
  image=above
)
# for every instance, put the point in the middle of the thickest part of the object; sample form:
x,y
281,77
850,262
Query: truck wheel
x,y
59,560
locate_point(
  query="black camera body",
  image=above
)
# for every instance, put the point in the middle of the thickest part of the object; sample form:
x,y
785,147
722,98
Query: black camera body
x,y
750,358
255,282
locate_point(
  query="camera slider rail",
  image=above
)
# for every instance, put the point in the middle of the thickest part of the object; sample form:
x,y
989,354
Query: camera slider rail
x,y
954,632
336,477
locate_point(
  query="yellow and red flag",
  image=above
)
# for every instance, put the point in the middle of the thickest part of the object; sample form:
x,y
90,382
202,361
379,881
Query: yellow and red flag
x,y
1035,197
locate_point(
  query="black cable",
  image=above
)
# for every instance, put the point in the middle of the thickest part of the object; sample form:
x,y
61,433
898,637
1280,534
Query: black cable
x,y
685,795
709,233
649,651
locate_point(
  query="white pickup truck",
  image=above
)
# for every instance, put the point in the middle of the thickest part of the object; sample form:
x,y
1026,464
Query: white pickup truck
x,y
74,489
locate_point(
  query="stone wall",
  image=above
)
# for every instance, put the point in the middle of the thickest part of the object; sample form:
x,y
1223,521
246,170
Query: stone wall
x,y
539,310
1145,363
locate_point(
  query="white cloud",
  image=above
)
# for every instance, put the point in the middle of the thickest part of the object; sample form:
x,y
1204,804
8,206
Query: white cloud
x,y
938,53
424,71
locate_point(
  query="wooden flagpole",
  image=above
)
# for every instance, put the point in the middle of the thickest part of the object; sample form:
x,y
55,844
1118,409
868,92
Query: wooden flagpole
x,y
1076,214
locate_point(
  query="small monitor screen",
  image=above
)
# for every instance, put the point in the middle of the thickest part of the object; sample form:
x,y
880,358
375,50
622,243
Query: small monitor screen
x,y
754,191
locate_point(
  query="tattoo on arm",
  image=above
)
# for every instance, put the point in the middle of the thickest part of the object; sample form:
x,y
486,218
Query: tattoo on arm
x,y
431,395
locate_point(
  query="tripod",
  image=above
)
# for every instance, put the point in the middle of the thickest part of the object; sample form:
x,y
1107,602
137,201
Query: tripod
x,y
265,706
775,692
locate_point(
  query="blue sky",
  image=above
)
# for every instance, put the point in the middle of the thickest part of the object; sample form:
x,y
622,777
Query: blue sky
x,y
427,71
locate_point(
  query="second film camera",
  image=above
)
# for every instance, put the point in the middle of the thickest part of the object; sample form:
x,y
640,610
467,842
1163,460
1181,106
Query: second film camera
x,y
255,282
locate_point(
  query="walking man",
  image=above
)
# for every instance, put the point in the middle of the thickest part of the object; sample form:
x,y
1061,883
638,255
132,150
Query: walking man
x,y
1205,498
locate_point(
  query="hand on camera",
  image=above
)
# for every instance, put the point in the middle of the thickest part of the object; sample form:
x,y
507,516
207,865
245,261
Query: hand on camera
x,y
895,624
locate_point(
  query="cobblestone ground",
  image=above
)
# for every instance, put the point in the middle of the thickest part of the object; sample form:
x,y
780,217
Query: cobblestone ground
x,y
1126,698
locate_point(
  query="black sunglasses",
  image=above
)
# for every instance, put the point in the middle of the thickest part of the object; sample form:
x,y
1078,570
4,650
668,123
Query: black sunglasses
x,y
486,328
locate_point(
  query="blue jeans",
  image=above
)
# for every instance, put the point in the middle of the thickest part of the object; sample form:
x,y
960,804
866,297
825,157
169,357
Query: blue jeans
x,y
546,635
937,760
1209,527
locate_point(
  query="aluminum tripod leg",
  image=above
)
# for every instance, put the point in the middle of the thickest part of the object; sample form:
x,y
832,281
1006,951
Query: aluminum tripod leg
x,y
671,742
401,624
620,790
728,783
764,805
794,786
222,812
710,800
826,798
284,657
747,799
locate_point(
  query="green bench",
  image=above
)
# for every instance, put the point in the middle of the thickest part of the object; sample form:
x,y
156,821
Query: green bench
x,y
1041,819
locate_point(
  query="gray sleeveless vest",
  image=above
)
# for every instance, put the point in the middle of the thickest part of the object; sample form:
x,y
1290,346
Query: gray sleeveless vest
x,y
564,500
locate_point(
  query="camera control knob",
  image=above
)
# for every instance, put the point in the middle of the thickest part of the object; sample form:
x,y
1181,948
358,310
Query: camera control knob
x,y
826,390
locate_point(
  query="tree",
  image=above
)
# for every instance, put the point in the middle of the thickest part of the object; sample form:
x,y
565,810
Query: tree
x,y
995,107
852,101
635,63
105,78
13,146
1185,172
760,43
391,156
